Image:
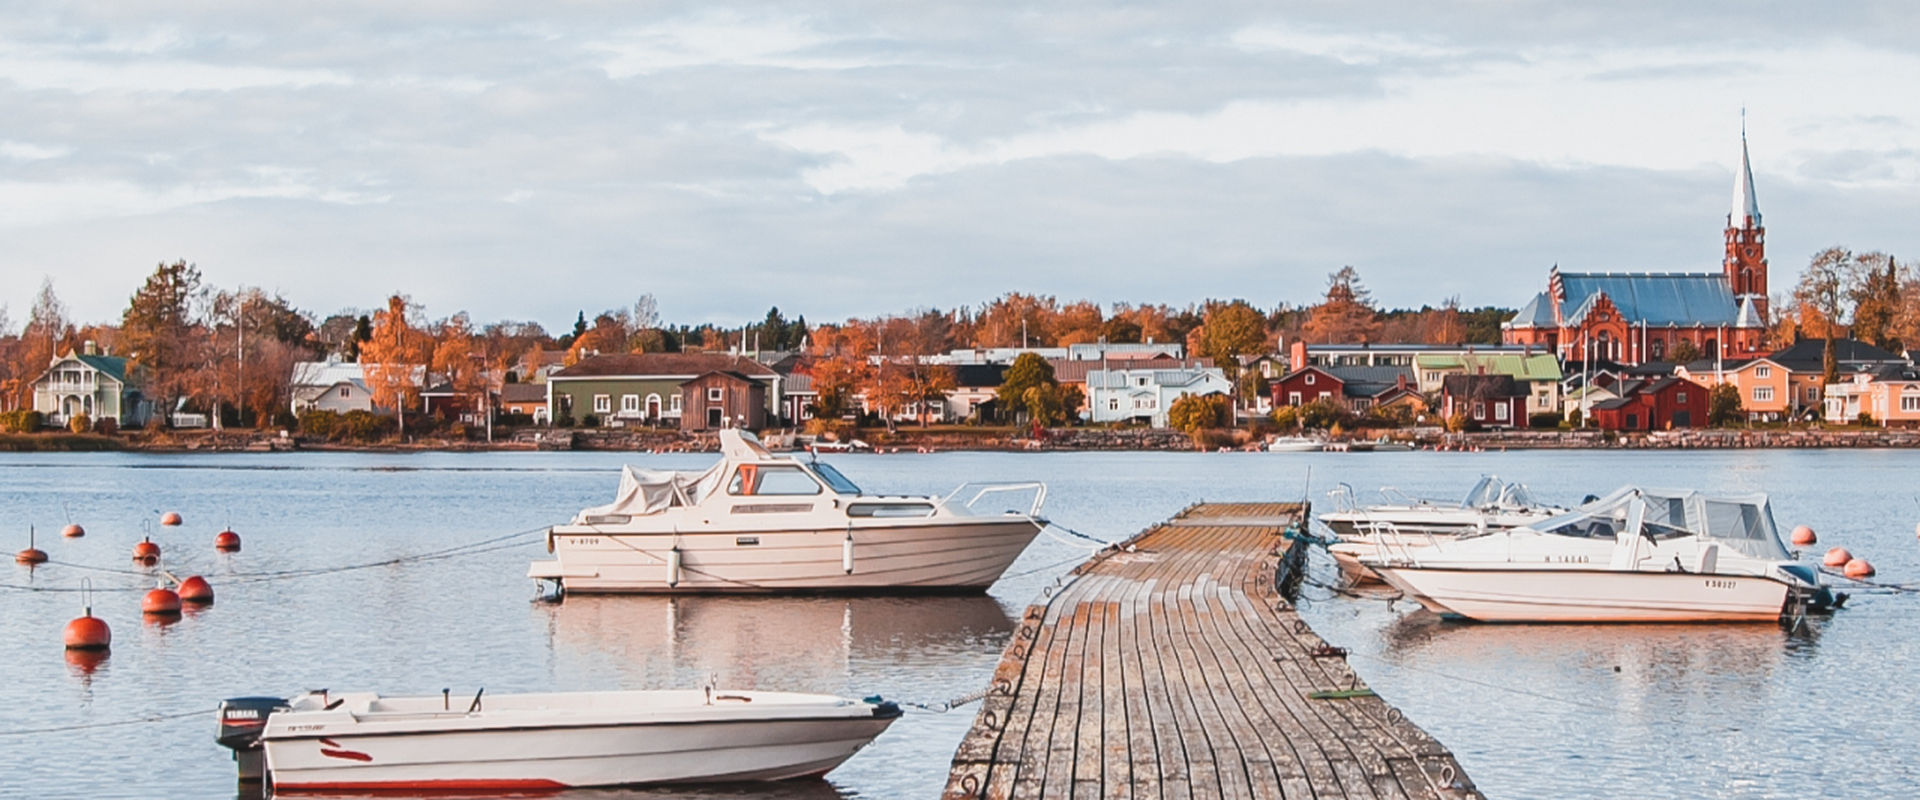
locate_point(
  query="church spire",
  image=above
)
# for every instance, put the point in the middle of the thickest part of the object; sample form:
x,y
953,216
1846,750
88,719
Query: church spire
x,y
1746,210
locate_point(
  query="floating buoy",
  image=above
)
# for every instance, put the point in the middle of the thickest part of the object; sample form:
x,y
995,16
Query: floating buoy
x,y
1859,568
170,519
146,552
88,633
160,602
195,589
31,555
1837,557
1803,536
73,531
227,542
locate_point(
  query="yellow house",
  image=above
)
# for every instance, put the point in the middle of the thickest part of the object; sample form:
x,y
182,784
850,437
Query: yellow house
x,y
1766,387
1891,395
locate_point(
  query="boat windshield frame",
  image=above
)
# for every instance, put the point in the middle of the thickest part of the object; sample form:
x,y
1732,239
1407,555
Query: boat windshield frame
x,y
833,479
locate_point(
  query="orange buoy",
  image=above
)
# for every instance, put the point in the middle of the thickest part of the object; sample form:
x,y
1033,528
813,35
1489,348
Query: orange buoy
x,y
195,589
160,602
1837,557
146,552
31,555
73,531
88,633
1859,568
170,519
227,542
1803,536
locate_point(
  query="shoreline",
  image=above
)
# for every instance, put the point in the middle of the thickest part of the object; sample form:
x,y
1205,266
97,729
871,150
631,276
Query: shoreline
x,y
910,440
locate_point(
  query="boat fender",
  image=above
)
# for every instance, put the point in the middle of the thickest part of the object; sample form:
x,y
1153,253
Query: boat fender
x,y
673,567
846,553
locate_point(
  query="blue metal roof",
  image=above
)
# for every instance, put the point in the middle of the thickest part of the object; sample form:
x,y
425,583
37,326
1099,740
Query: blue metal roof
x,y
1537,313
1654,298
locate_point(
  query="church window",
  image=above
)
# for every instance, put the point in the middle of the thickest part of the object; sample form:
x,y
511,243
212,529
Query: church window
x,y
1659,350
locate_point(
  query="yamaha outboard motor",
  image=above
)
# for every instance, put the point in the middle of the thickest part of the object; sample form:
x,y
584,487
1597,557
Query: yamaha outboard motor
x,y
242,720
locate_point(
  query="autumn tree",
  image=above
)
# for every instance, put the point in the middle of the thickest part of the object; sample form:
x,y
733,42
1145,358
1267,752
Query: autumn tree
x,y
838,366
47,329
1874,287
1017,320
1823,290
1443,325
395,354
1130,324
1231,330
1723,406
1346,315
1078,323
165,341
460,358
1193,413
1030,387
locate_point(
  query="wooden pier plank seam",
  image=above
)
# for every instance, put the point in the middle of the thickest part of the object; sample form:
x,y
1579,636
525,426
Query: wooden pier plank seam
x,y
1173,668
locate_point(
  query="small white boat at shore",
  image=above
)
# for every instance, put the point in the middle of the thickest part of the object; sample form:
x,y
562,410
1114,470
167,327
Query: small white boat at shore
x,y
364,742
1637,555
1295,444
760,523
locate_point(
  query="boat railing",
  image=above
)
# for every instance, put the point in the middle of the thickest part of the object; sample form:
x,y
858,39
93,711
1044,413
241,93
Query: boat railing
x,y
1343,498
1396,496
981,490
1393,545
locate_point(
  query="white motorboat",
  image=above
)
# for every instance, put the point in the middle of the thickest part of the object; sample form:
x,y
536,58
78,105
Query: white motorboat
x,y
1637,555
1491,505
1295,444
755,522
364,742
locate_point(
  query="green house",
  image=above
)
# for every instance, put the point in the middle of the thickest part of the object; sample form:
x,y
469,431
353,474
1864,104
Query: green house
x,y
88,383
682,390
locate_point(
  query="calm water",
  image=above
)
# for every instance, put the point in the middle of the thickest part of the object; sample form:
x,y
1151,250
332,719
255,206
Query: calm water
x,y
1531,711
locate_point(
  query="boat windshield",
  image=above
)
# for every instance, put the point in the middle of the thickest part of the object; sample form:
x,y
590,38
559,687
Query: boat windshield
x,y
1484,494
1740,522
834,479
1517,496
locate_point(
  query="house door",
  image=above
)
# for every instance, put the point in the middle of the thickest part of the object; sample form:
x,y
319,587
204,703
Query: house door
x,y
653,406
715,416
1682,419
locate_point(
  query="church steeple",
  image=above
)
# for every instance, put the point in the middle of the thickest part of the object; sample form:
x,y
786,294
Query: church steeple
x,y
1746,261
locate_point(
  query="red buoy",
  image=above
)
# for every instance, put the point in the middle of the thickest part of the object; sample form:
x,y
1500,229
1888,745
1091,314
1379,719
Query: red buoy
x,y
195,589
88,633
1803,536
227,542
73,531
1837,557
160,602
146,552
31,555
170,519
1859,568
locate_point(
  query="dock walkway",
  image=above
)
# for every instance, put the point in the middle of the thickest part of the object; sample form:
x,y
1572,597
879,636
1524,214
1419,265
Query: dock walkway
x,y
1175,668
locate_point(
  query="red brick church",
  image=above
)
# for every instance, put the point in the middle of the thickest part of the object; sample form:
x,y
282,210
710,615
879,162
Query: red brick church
x,y
1637,317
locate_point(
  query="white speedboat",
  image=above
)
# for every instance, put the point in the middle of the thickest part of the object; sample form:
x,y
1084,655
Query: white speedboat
x,y
755,522
1637,555
364,742
1491,505
1295,444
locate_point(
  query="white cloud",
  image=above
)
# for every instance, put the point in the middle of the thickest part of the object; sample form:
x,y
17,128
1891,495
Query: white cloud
x,y
23,151
155,75
1350,48
26,204
720,38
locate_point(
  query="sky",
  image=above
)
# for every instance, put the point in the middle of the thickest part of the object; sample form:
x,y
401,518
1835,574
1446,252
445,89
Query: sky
x,y
530,161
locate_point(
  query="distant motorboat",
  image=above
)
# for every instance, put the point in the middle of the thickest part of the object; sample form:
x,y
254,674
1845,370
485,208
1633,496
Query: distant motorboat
x,y
364,742
756,522
1295,444
1637,555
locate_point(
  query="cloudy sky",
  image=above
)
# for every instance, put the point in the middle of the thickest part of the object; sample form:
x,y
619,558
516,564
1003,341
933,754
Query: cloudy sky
x,y
865,158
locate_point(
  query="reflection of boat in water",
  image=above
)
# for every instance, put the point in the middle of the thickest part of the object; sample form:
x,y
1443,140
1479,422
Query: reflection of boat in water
x,y
361,741
772,642
1490,505
1637,555
755,522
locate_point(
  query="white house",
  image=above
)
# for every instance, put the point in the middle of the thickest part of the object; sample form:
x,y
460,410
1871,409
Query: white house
x,y
1121,395
92,384
337,386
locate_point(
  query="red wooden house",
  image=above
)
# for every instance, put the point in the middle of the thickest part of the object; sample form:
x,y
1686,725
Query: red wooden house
x,y
1305,385
1493,401
1654,405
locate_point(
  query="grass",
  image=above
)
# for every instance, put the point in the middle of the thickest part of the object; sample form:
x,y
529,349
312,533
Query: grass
x,y
58,443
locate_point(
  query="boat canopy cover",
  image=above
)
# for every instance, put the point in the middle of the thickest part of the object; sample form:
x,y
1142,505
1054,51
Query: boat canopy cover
x,y
1740,522
646,491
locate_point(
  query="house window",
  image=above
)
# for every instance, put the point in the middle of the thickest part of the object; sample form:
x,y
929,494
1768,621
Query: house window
x,y
1113,404
1910,401
346,391
1293,398
1139,381
715,394
1500,412
1433,377
1763,394
673,404
1479,410
1813,393
1763,371
602,403
1309,380
629,404
1681,397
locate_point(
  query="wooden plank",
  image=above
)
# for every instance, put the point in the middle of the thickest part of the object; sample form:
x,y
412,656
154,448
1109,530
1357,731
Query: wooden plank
x,y
1173,668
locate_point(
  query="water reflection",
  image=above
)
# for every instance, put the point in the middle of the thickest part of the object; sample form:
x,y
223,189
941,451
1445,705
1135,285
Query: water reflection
x,y
798,644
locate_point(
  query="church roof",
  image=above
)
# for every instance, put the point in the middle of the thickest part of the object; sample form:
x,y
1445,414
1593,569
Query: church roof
x,y
1653,298
1537,313
1749,317
1746,210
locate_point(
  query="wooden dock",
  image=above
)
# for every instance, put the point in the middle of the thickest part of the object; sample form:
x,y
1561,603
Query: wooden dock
x,y
1175,668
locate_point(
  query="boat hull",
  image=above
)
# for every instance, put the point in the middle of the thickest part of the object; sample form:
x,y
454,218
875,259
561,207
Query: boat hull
x,y
957,555
1573,595
563,757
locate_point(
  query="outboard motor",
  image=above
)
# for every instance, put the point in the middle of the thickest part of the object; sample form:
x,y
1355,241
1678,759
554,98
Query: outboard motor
x,y
242,720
